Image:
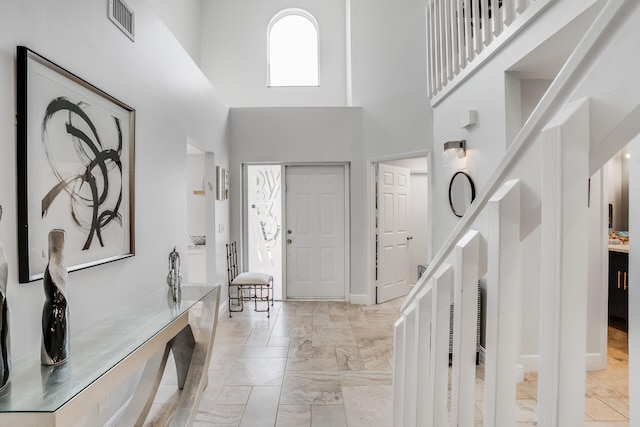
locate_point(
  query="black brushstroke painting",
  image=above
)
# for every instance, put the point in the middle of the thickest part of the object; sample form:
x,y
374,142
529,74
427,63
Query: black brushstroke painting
x,y
91,186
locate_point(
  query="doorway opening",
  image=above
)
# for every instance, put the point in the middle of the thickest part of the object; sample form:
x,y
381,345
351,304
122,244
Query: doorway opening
x,y
614,190
615,377
617,170
401,224
200,203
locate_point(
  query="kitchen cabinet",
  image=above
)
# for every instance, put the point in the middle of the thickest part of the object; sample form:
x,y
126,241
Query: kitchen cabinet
x,y
619,285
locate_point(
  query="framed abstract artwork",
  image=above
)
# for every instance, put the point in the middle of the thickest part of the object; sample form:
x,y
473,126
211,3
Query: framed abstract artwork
x,y
75,152
222,180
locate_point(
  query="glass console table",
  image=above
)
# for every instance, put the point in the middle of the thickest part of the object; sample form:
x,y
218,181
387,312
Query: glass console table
x,y
104,356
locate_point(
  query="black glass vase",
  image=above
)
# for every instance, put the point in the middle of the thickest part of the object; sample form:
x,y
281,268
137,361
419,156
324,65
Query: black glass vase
x,y
5,344
55,313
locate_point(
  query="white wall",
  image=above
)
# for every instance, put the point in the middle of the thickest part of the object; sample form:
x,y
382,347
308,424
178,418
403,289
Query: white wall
x,y
389,76
195,202
532,91
614,175
183,20
419,210
598,274
234,52
618,175
388,69
313,134
173,101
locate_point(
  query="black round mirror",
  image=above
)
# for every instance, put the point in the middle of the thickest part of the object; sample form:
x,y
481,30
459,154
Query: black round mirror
x,y
462,191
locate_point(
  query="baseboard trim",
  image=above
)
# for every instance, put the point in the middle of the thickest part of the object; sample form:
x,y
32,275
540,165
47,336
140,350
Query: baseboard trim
x,y
482,354
596,361
519,373
530,362
361,299
593,362
223,309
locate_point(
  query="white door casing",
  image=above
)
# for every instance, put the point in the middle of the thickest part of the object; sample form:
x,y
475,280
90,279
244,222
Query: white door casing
x,y
634,272
393,233
315,235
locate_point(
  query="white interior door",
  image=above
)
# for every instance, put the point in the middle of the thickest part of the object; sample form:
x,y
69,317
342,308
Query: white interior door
x,y
315,208
393,234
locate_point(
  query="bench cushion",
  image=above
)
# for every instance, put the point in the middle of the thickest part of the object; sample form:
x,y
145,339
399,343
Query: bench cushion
x,y
252,279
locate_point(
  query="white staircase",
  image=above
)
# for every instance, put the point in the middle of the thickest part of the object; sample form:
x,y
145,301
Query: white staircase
x,y
422,375
549,162
422,334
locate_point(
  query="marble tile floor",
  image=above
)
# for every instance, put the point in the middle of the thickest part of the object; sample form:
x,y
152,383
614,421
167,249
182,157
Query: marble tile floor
x,y
606,396
317,364
311,364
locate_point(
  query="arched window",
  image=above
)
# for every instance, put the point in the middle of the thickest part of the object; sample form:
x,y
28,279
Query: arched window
x,y
293,49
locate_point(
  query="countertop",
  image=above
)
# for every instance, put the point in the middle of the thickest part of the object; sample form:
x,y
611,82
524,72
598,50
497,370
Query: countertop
x,y
619,248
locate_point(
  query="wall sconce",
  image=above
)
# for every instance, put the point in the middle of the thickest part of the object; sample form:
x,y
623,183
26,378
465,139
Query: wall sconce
x,y
457,147
455,154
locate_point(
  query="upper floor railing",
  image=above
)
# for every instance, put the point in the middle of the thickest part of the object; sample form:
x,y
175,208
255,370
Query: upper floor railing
x,y
461,34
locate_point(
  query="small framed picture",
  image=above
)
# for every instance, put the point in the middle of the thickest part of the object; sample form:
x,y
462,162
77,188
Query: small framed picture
x,y
222,187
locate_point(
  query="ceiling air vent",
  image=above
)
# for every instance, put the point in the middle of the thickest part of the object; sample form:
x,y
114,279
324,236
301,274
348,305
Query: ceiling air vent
x,y
121,15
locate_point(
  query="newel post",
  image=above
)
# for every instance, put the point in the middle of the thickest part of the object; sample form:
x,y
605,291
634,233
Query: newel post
x,y
563,288
504,306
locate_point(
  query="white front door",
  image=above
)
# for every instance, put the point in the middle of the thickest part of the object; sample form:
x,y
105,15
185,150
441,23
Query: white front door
x,y
393,234
315,236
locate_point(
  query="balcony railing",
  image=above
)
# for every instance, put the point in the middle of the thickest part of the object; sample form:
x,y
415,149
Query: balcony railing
x,y
462,34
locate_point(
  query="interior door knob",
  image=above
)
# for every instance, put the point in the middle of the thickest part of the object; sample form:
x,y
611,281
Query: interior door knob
x,y
289,241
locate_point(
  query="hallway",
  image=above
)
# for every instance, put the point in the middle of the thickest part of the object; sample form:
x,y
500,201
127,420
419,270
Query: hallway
x,y
328,364
311,364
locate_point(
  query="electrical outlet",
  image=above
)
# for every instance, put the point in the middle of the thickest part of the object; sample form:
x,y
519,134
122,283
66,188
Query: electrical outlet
x,y
103,403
